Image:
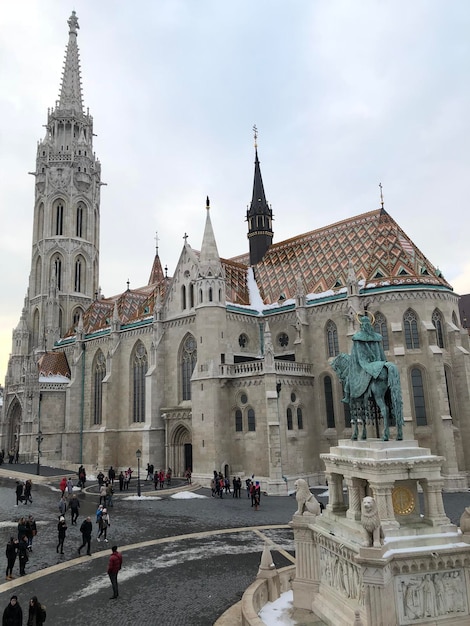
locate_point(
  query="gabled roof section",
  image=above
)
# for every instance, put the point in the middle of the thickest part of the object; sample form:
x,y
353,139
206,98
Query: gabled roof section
x,y
379,249
156,275
52,364
70,98
236,282
209,260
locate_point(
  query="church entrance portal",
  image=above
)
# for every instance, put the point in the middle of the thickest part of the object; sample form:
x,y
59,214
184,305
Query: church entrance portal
x,y
180,452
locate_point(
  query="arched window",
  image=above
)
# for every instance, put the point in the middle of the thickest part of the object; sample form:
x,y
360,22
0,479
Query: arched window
x,y
191,296
332,339
438,325
329,405
80,216
200,296
289,419
59,219
78,276
183,297
40,231
38,277
238,421
251,420
61,322
57,272
454,319
188,362
35,329
139,369
418,397
410,324
76,317
300,419
380,326
99,372
210,294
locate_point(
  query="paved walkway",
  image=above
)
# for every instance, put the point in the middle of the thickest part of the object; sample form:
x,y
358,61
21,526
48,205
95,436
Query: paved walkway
x,y
186,561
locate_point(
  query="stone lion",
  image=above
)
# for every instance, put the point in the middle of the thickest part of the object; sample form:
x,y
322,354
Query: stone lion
x,y
306,501
371,523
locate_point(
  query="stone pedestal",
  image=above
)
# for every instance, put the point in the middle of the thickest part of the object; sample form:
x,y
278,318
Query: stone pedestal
x,y
421,573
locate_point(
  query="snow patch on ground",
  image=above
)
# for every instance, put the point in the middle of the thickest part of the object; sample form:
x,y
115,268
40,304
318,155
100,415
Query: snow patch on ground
x,y
278,613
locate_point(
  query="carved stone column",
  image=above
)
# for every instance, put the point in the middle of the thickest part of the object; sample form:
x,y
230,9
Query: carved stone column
x,y
354,494
336,498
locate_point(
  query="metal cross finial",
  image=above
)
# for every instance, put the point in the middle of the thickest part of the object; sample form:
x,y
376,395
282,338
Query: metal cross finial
x,y
128,283
255,133
381,196
156,241
185,236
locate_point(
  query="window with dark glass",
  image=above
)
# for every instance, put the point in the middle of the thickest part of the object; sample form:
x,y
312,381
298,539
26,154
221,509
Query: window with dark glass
x,y
329,405
99,372
380,326
283,340
139,370
418,397
238,421
188,362
289,419
332,339
59,219
251,420
437,321
410,324
300,419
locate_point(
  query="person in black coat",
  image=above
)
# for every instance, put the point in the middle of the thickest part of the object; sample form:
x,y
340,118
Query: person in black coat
x,y
61,530
10,553
86,529
13,613
23,554
37,613
19,492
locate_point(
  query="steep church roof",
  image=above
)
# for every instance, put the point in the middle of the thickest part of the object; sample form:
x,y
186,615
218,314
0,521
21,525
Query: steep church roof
x,y
380,251
209,260
52,364
70,98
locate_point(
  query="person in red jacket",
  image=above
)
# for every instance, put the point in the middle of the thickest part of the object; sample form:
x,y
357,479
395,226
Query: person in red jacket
x,y
114,565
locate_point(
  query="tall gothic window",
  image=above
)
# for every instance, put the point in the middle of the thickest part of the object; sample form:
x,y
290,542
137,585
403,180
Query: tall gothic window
x,y
78,276
289,419
332,339
183,297
380,326
251,420
300,419
410,324
59,219
450,391
58,272
329,405
191,296
188,362
238,421
438,325
139,369
79,221
99,372
418,397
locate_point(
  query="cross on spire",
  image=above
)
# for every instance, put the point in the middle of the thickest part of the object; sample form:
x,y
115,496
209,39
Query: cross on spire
x,y
185,236
156,242
255,134
381,196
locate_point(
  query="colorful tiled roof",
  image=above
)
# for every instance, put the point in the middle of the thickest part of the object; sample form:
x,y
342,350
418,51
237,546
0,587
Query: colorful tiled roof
x,y
380,251
53,364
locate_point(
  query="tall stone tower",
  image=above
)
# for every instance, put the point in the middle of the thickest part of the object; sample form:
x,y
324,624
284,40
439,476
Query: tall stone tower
x,y
65,254
65,250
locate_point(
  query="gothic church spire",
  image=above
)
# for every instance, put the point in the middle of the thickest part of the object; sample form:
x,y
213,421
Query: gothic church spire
x,y
71,88
259,215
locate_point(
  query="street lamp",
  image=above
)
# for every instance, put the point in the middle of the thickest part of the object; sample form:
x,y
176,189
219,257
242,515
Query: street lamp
x,y
138,455
39,438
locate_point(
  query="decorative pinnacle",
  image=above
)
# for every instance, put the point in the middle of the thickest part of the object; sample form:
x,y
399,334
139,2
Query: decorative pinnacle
x,y
73,23
381,196
255,134
208,204
156,242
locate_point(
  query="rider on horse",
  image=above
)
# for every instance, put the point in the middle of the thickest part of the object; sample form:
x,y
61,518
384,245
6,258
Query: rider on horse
x,y
366,362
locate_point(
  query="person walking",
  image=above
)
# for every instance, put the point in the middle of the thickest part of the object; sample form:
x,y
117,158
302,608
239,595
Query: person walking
x,y
32,531
112,475
102,499
74,506
36,613
109,495
19,492
114,565
63,485
22,554
86,529
99,513
13,613
62,505
61,531
121,481
10,552
21,528
27,492
104,523
69,487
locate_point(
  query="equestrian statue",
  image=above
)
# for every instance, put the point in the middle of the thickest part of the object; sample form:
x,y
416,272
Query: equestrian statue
x,y
371,383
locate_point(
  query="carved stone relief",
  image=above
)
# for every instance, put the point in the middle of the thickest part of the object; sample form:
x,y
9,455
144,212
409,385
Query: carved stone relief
x,y
340,574
426,596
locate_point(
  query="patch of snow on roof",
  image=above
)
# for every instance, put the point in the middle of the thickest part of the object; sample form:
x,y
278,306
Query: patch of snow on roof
x,y
255,296
55,378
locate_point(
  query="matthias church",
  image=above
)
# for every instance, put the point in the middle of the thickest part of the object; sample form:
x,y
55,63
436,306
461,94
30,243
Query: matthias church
x,y
224,365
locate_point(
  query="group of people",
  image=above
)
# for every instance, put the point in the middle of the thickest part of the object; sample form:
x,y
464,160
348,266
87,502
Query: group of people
x,y
221,484
23,492
161,476
13,456
13,613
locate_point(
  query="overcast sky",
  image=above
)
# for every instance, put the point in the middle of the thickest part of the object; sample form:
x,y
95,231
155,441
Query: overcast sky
x,y
345,95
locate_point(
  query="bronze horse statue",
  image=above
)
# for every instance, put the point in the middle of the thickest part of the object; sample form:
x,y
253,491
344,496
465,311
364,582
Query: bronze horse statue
x,y
363,407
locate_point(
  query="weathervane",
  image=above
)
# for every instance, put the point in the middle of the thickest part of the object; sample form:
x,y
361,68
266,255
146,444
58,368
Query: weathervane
x,y
255,133
381,196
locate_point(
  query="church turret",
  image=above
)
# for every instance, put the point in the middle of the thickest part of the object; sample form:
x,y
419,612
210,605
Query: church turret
x,y
259,216
65,247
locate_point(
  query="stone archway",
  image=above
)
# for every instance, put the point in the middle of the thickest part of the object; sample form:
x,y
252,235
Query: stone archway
x,y
13,425
180,450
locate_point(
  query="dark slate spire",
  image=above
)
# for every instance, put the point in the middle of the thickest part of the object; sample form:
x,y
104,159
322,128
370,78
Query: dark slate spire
x,y
259,215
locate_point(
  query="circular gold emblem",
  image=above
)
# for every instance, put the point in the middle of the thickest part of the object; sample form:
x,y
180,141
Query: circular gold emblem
x,y
403,501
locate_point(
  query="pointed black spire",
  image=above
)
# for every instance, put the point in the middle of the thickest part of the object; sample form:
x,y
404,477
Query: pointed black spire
x,y
259,215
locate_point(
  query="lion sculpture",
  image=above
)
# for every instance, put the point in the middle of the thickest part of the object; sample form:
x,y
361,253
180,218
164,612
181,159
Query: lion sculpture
x,y
371,523
306,501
